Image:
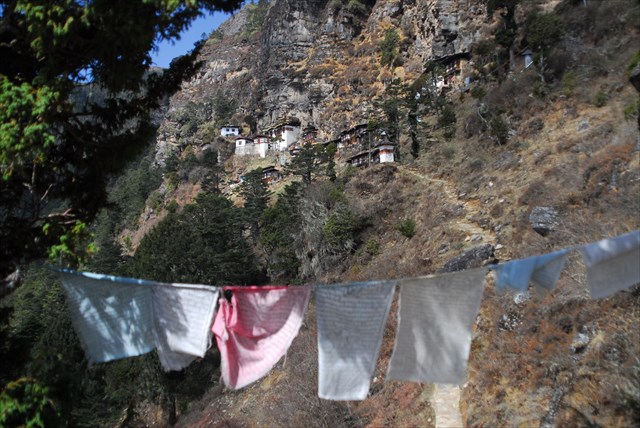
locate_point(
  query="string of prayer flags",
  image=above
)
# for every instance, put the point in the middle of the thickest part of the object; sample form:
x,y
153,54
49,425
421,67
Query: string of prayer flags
x,y
434,326
350,319
113,318
255,329
543,271
183,317
612,264
118,317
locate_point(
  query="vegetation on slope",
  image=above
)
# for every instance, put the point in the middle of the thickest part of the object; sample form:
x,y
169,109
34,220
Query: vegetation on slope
x,y
559,135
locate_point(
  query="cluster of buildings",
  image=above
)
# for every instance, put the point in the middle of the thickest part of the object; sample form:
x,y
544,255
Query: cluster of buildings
x,y
357,146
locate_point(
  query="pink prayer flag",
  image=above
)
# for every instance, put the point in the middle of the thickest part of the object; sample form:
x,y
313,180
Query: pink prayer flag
x,y
255,329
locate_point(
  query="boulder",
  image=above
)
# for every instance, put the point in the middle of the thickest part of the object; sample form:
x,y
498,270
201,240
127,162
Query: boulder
x,y
472,258
544,220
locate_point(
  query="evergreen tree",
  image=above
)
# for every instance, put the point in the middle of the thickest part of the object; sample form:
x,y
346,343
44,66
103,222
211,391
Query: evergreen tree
x,y
279,226
256,197
203,244
307,162
60,142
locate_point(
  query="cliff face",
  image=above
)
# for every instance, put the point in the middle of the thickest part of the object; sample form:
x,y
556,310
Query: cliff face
x,y
517,146
319,61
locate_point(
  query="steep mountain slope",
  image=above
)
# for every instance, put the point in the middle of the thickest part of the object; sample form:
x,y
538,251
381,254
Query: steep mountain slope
x,y
559,137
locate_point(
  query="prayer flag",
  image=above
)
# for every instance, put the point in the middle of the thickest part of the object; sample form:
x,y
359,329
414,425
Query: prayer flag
x,y
183,316
255,329
543,271
118,317
612,264
434,329
351,319
113,318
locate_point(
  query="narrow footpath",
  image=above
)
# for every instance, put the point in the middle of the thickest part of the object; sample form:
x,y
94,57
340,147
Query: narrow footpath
x,y
446,398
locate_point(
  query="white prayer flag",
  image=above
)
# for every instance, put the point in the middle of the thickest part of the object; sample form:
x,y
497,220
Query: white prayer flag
x,y
118,317
612,264
183,316
351,320
113,319
434,328
542,270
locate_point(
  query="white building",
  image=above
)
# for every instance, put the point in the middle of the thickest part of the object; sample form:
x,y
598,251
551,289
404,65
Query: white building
x,y
386,153
284,133
244,146
261,144
285,136
230,130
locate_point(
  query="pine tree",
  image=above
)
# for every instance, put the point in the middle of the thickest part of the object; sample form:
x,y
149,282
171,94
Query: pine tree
x,y
256,197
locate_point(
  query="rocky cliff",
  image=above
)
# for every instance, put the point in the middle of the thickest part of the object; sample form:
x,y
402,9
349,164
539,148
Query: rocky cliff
x,y
320,61
534,159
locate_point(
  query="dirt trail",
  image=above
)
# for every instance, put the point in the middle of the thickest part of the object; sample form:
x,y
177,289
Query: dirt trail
x,y
446,398
471,206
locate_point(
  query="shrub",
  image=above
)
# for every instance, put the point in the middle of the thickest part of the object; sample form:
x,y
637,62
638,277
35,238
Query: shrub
x,y
544,30
600,99
172,206
447,120
26,403
389,47
339,230
499,129
372,247
568,83
407,227
635,60
632,109
448,152
478,92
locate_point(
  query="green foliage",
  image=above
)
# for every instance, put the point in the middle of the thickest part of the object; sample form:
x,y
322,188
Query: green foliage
x,y
59,142
600,99
499,129
540,89
130,191
23,135
307,163
447,120
202,244
25,402
394,106
255,18
255,193
339,229
407,227
478,92
389,47
224,106
484,55
569,83
633,61
190,118
356,7
279,226
329,155
75,246
544,30
372,247
632,109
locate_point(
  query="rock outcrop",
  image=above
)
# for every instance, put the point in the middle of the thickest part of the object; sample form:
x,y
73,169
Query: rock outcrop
x,y
319,61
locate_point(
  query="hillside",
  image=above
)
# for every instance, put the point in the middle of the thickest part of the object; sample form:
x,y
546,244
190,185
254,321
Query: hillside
x,y
520,139
515,132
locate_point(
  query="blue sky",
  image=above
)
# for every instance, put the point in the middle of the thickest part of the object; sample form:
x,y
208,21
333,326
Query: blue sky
x,y
168,51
